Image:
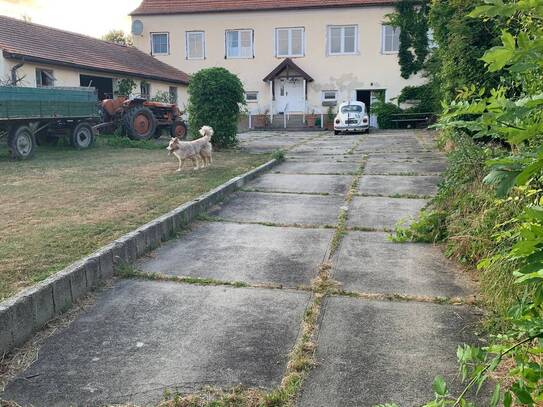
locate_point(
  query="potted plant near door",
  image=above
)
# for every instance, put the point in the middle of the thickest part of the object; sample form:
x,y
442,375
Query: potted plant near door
x,y
311,119
329,121
261,121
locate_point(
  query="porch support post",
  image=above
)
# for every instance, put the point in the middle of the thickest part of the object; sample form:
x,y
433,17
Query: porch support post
x,y
271,101
305,99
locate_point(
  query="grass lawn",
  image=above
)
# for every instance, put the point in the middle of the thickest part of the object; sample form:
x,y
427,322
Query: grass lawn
x,y
64,204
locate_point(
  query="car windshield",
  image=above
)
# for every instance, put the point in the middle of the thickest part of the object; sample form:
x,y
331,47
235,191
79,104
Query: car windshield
x,y
352,109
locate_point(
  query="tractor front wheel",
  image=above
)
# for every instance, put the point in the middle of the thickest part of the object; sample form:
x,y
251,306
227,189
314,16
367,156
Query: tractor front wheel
x,y
140,123
21,142
178,129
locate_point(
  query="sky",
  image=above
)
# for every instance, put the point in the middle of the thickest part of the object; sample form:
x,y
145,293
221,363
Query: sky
x,y
94,18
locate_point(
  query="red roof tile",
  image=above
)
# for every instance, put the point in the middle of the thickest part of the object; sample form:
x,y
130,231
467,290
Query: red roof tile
x,y
201,6
37,43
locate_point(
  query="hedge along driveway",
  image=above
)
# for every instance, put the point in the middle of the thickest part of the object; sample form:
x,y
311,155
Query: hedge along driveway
x,y
65,204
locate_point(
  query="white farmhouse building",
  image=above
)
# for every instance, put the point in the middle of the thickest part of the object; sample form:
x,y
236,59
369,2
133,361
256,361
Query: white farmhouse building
x,y
294,56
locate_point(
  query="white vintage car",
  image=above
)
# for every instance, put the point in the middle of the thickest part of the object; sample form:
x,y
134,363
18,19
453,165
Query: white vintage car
x,y
352,117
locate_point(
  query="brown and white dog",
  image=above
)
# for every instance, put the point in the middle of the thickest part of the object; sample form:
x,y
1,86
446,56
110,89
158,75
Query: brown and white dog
x,y
193,150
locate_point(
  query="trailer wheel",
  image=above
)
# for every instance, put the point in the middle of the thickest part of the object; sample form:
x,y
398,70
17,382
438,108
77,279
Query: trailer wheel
x,y
82,136
140,123
22,143
178,129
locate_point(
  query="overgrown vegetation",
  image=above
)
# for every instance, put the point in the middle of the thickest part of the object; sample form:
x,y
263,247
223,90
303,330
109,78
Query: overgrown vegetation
x,y
450,61
489,209
279,155
215,99
125,87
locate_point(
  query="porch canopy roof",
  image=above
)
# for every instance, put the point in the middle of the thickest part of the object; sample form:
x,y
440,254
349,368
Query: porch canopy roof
x,y
291,68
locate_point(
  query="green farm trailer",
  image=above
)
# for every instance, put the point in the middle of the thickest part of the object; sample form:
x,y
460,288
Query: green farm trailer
x,y
46,114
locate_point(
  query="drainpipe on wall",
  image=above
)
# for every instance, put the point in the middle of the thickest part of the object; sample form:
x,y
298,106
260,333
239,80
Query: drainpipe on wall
x,y
14,78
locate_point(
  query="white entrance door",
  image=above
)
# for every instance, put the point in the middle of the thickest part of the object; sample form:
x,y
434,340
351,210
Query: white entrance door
x,y
289,95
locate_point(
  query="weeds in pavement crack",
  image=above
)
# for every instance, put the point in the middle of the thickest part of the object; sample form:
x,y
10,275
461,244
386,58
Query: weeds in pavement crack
x,y
128,271
301,360
323,283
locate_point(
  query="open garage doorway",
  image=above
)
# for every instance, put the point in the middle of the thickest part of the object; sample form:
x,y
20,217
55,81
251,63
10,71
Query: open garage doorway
x,y
364,96
369,97
103,85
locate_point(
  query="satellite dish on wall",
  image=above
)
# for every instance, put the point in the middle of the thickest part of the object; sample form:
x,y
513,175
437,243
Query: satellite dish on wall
x,y
137,27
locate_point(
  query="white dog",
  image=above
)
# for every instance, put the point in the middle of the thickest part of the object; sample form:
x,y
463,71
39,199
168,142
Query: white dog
x,y
193,150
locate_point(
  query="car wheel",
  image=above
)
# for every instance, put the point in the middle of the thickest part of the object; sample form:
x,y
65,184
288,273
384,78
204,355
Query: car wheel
x,y
336,132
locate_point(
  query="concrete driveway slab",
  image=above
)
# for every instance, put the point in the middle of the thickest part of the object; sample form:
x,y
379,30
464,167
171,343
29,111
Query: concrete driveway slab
x,y
398,185
303,183
248,253
374,352
383,165
281,208
383,213
389,143
319,167
370,263
143,337
347,158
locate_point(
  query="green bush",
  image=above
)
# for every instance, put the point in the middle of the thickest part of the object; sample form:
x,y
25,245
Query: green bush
x,y
385,112
215,99
279,155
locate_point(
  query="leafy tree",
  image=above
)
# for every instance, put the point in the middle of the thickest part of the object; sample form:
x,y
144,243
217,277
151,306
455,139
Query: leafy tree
x,y
215,99
511,112
461,42
125,87
411,17
118,37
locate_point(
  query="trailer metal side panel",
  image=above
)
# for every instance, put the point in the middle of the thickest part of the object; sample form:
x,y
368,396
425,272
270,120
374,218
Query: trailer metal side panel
x,y
47,103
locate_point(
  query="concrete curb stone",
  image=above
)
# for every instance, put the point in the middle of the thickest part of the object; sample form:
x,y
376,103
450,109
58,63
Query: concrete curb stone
x,y
30,310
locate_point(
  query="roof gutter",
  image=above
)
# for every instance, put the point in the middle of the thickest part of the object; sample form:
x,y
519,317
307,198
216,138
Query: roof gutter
x,y
30,58
136,13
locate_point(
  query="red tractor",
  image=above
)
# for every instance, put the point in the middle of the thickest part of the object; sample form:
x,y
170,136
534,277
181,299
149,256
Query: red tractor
x,y
141,119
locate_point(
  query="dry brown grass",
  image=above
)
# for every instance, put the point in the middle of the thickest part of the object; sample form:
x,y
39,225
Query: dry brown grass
x,y
65,204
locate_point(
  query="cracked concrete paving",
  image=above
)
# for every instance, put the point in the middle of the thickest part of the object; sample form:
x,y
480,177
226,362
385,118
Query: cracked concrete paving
x,y
143,336
251,253
383,185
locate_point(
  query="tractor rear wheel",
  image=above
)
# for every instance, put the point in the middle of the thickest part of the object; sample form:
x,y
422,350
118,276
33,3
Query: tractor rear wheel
x,y
178,129
140,123
21,142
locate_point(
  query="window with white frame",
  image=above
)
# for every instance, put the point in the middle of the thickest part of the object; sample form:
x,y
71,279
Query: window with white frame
x,y
391,39
289,42
251,96
342,40
195,44
239,44
329,95
160,43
